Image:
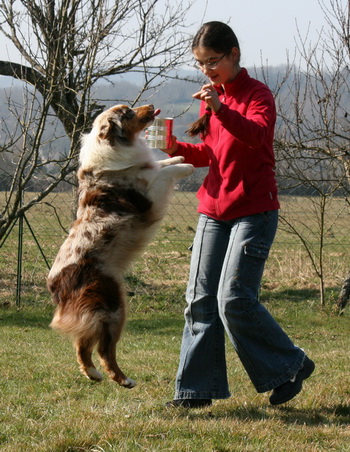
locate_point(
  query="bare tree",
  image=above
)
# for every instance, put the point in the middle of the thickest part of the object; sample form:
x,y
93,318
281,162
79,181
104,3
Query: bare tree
x,y
66,47
313,134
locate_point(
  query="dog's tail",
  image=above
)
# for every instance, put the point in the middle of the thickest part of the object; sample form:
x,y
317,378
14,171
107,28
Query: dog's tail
x,y
84,323
75,325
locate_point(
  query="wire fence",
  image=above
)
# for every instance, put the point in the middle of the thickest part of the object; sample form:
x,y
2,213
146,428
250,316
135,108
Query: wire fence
x,y
306,232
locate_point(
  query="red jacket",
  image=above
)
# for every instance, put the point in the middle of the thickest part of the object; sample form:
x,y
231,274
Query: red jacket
x,y
239,152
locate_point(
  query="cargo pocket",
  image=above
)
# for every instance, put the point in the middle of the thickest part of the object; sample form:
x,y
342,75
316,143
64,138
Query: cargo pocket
x,y
259,251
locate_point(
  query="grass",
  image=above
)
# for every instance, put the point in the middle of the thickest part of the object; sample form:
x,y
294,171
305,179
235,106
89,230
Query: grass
x,y
47,405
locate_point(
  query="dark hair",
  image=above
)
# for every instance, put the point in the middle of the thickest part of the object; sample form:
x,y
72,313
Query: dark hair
x,y
220,38
217,36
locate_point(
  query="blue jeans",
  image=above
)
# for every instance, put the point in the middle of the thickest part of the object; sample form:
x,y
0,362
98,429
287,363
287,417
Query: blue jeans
x,y
227,264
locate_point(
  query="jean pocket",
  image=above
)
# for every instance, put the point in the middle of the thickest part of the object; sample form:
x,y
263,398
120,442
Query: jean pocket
x,y
259,251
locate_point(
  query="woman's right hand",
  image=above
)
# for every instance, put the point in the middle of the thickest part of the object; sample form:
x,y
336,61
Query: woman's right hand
x,y
209,94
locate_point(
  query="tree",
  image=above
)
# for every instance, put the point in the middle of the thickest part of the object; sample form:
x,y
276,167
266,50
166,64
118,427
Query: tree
x,y
344,295
313,134
66,47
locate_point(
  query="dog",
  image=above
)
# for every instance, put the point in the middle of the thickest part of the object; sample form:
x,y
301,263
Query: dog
x,y
123,196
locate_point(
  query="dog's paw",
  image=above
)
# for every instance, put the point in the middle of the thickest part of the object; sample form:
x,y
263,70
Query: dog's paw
x,y
93,374
128,383
185,169
176,160
170,161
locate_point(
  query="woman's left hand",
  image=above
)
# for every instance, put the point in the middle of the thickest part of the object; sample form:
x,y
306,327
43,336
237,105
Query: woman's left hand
x,y
209,94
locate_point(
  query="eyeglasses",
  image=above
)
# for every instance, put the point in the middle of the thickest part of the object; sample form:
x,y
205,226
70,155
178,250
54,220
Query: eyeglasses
x,y
209,64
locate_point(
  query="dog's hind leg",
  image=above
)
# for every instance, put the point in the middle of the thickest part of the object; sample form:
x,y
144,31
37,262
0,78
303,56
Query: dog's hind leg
x,y
107,350
84,349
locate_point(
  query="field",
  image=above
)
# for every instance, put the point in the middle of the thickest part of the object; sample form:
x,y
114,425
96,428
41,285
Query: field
x,y
46,405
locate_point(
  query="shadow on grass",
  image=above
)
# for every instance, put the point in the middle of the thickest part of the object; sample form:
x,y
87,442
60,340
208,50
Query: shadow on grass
x,y
155,322
158,313
290,295
324,415
26,317
162,326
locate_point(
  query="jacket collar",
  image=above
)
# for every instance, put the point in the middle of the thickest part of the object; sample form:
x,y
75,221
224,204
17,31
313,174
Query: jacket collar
x,y
232,87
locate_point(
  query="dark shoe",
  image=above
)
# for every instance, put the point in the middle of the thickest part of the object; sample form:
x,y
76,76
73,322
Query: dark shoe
x,y
189,403
288,390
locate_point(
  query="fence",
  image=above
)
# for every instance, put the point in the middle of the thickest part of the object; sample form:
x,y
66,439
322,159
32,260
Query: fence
x,y
307,231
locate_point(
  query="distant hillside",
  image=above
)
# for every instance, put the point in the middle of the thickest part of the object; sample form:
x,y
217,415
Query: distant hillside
x,y
173,97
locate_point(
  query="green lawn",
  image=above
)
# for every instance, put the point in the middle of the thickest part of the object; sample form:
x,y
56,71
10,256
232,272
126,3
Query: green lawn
x,y
46,405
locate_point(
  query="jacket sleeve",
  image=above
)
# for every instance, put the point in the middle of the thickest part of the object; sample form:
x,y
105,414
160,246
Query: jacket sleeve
x,y
195,154
253,127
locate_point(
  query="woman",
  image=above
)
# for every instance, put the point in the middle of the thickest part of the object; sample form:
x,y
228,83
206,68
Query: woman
x,y
238,208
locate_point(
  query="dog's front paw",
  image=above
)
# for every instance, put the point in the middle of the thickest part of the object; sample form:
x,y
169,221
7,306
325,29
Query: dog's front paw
x,y
176,160
185,169
171,161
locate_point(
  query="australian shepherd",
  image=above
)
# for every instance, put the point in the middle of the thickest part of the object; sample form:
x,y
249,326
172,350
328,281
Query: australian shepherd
x,y
123,195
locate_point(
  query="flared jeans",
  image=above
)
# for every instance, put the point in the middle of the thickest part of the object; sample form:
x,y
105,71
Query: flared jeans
x,y
227,264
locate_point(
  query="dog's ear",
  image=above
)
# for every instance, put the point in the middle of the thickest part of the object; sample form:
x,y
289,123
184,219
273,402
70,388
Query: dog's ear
x,y
111,128
109,125
104,129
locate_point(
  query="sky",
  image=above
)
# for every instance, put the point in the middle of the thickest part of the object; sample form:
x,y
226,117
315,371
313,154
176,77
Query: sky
x,y
266,30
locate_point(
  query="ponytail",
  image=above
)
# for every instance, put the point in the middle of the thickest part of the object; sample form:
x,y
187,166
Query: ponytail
x,y
201,125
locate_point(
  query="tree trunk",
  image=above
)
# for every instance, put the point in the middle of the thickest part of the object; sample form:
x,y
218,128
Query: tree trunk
x,y
344,295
